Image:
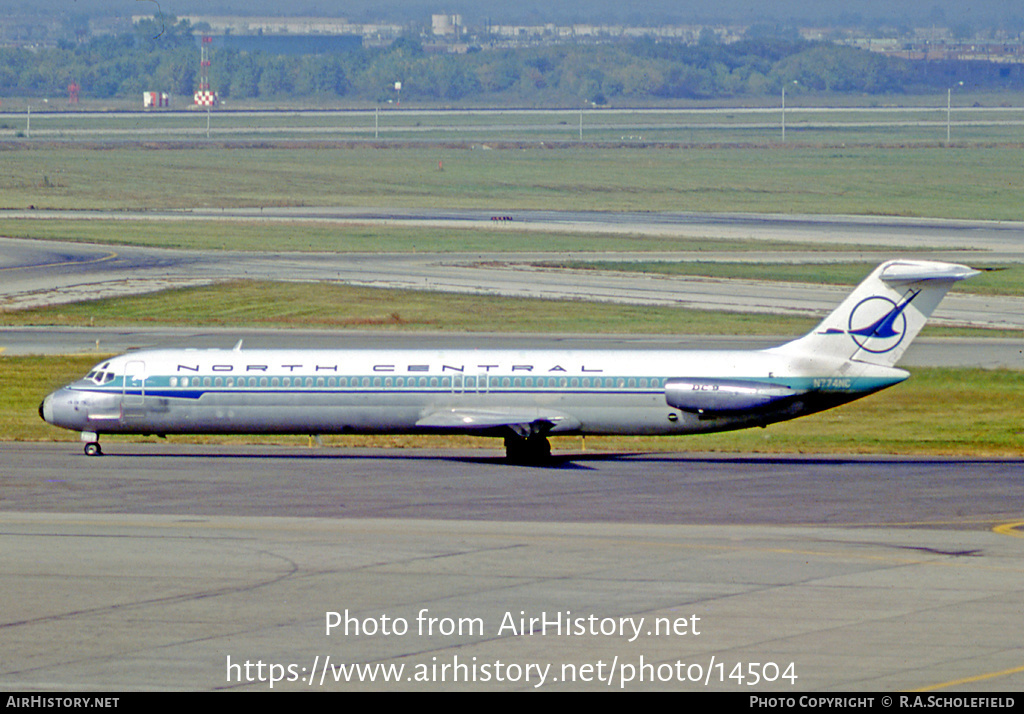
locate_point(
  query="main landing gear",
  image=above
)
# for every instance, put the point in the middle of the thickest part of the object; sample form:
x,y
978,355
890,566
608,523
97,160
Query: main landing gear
x,y
530,450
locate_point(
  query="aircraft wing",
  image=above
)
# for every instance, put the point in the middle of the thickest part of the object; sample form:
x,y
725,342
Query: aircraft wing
x,y
523,421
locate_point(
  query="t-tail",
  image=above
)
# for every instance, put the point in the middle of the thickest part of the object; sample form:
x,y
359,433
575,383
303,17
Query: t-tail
x,y
882,316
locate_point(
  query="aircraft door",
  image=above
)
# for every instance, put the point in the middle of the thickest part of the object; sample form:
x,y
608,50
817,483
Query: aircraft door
x,y
133,389
470,383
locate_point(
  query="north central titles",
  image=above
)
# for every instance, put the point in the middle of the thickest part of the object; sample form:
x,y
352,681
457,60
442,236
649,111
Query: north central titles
x,y
391,368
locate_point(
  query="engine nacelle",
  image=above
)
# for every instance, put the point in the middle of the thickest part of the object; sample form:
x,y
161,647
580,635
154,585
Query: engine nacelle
x,y
724,396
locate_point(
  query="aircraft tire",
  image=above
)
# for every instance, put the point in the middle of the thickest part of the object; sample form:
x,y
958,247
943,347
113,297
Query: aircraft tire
x,y
93,449
533,450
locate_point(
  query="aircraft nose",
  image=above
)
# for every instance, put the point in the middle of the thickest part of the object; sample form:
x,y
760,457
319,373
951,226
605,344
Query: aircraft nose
x,y
46,409
56,409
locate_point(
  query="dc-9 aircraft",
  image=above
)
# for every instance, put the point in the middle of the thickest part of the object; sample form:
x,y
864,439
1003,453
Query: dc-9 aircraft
x,y
520,395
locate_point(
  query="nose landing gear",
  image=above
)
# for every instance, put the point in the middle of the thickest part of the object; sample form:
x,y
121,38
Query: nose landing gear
x,y
92,443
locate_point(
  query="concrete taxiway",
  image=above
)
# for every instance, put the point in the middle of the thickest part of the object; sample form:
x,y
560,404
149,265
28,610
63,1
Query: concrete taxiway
x,y
163,566
38,273
83,272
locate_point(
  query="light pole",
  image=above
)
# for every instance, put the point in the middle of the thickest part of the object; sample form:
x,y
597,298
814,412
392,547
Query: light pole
x,y
949,104
784,111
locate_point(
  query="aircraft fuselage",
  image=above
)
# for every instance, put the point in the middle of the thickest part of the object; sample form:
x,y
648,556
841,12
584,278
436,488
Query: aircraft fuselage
x,y
413,391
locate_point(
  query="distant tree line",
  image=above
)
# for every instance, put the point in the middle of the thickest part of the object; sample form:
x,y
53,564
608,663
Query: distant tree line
x,y
163,55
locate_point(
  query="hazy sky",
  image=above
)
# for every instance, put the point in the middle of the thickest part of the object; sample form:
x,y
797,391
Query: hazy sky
x,y
539,11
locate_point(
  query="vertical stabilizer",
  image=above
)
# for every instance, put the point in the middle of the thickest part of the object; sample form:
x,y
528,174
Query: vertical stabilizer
x,y
883,314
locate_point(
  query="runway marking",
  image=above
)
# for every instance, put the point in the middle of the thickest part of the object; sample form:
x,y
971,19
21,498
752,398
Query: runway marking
x,y
1010,529
109,256
967,680
974,520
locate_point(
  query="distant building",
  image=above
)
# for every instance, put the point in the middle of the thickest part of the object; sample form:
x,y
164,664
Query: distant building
x,y
446,25
291,35
238,25
585,32
153,100
290,44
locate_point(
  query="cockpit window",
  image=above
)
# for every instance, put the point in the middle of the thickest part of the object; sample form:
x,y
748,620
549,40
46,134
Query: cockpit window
x,y
99,375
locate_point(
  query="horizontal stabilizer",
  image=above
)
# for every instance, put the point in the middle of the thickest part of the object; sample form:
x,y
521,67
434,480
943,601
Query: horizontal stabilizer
x,y
922,271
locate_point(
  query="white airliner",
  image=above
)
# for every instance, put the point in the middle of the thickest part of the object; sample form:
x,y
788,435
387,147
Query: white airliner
x,y
521,395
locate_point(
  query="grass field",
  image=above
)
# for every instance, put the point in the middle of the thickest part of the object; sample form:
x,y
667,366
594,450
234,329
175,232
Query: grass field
x,y
970,183
325,305
345,307
336,237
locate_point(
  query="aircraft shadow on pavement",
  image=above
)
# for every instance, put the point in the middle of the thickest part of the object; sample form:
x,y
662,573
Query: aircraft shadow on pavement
x,y
576,460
